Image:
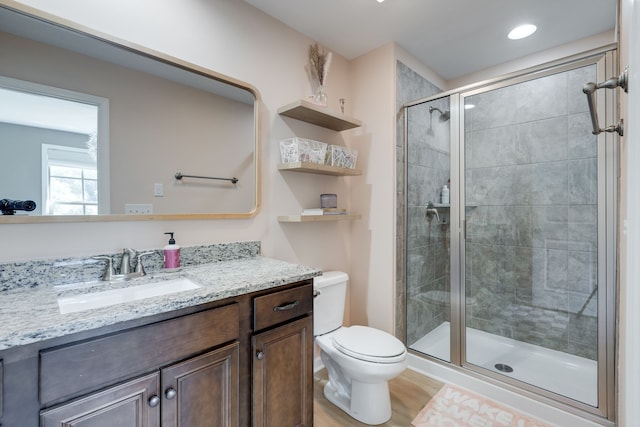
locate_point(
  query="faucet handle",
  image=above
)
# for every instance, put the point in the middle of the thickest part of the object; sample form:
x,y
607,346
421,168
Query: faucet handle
x,y
139,266
431,211
108,272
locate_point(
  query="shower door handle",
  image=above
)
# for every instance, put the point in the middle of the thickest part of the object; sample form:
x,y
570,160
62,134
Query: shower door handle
x,y
590,88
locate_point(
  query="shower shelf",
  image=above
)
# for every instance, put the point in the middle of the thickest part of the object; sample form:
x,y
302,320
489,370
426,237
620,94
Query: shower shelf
x,y
447,205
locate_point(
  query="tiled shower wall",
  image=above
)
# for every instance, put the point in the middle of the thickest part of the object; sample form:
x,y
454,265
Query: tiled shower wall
x,y
428,165
530,161
428,243
531,182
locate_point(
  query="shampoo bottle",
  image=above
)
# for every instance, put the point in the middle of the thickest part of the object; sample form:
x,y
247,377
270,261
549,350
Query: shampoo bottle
x,y
444,195
171,254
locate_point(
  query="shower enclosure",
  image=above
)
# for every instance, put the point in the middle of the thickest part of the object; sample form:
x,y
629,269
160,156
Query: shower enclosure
x,y
513,277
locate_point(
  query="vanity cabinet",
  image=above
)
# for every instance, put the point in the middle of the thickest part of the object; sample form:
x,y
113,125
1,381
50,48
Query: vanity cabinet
x,y
1,386
241,361
74,370
282,349
125,405
200,391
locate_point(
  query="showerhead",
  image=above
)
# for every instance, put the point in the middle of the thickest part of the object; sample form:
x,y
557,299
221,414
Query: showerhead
x,y
444,115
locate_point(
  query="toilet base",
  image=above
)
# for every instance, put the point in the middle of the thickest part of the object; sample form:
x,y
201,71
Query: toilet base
x,y
368,403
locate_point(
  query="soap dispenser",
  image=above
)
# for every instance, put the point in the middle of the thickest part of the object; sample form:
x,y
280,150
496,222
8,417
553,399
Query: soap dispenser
x,y
171,254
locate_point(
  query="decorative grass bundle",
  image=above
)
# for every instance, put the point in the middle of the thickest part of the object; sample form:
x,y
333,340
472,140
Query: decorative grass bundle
x,y
319,63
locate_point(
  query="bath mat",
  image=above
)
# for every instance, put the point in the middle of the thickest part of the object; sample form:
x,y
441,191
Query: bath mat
x,y
456,407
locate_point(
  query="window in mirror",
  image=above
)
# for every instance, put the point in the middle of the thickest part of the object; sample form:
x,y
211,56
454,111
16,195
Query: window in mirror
x,y
71,186
52,138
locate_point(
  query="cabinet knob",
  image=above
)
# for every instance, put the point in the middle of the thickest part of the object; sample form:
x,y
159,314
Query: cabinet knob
x,y
170,393
154,401
260,355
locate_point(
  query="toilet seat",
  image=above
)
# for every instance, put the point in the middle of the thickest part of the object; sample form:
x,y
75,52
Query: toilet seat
x,y
369,344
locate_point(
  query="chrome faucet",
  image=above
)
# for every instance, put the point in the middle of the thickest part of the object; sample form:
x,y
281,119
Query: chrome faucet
x,y
125,266
125,261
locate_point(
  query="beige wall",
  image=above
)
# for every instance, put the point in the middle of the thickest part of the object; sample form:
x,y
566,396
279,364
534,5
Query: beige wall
x,y
373,194
235,39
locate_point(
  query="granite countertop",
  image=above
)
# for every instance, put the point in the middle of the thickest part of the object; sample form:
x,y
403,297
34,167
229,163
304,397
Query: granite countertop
x,y
30,315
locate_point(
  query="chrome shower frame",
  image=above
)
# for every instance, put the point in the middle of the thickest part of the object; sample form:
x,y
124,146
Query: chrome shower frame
x,y
605,60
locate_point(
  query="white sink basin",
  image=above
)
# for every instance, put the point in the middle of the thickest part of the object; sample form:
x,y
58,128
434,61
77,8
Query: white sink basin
x,y
92,300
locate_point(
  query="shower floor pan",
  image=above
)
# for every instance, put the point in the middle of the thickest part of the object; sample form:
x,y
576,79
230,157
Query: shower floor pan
x,y
565,374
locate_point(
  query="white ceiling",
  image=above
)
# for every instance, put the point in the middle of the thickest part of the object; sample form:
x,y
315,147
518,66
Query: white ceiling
x,y
452,37
47,112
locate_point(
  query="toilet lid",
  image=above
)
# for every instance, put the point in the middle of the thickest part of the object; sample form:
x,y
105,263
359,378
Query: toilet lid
x,y
373,345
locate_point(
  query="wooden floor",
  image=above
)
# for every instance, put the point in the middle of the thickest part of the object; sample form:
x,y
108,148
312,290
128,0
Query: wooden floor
x,y
409,391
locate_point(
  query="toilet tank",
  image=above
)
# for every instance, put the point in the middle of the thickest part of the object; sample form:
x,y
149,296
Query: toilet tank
x,y
330,292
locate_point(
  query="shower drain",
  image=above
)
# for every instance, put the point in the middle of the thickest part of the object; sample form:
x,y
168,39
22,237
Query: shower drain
x,y
503,368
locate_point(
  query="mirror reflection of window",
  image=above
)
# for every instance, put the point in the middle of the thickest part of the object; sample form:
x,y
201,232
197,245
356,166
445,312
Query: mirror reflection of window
x,y
49,135
71,186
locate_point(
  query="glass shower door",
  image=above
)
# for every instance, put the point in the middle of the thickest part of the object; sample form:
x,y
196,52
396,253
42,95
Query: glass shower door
x,y
428,159
531,194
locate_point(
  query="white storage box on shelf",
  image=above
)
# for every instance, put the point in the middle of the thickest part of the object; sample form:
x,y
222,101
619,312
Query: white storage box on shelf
x,y
302,150
341,157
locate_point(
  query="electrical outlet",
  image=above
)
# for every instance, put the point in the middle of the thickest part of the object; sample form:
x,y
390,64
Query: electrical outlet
x,y
158,190
138,209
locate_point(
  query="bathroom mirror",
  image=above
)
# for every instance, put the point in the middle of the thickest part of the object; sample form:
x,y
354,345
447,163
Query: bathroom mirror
x,y
93,128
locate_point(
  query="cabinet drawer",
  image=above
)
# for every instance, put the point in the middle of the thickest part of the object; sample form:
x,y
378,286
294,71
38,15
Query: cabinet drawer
x,y
76,369
282,306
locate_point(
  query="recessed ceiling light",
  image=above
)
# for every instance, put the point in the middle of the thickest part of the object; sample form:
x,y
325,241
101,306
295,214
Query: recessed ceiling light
x,y
380,1
522,31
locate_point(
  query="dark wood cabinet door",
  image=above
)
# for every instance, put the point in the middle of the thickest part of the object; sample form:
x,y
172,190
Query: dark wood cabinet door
x,y
282,392
1,385
131,404
202,391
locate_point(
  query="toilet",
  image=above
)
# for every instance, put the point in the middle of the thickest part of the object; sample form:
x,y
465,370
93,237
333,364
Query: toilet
x,y
360,360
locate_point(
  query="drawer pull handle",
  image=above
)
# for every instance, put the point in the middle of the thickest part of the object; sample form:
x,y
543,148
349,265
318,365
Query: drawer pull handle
x,y
170,393
154,401
287,306
259,355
